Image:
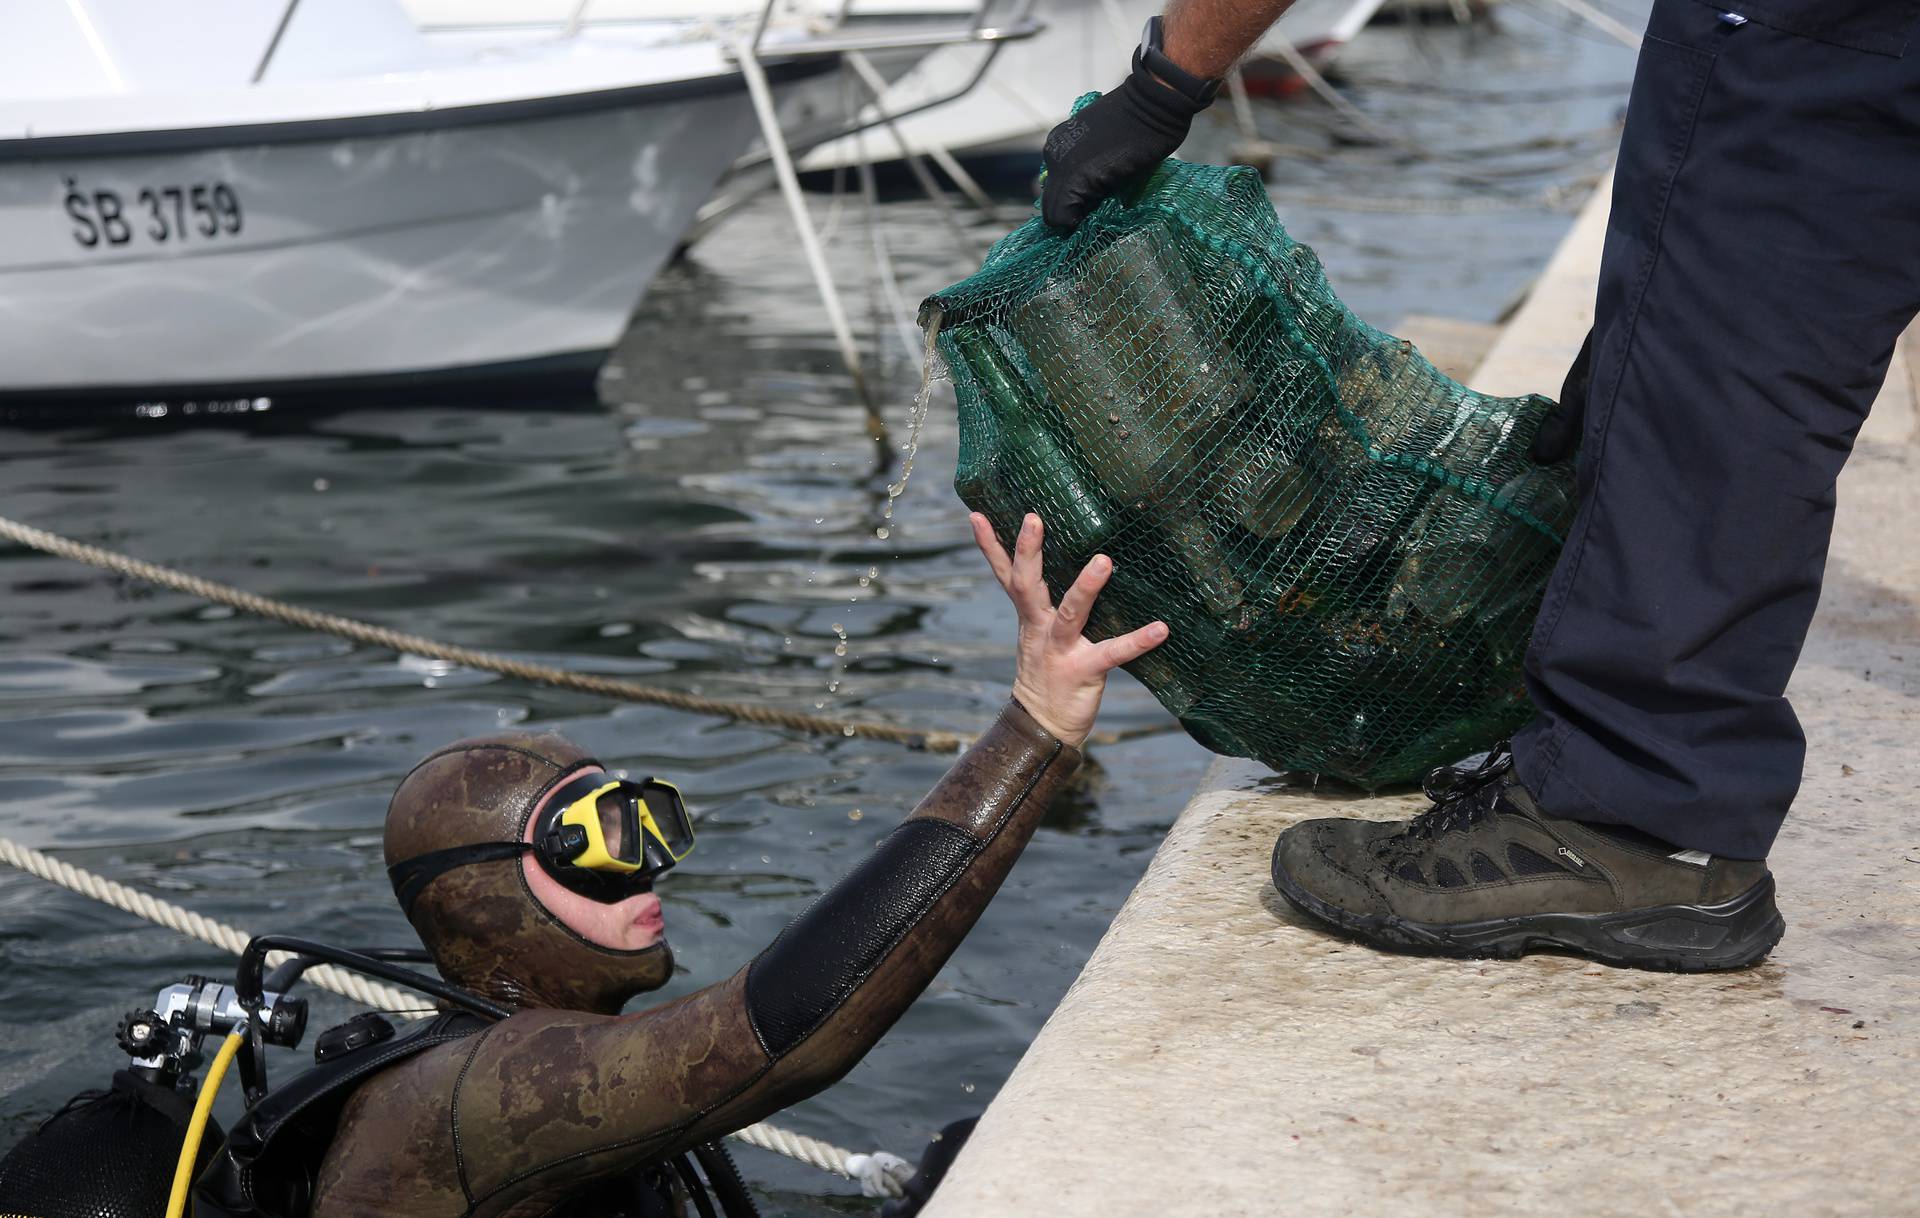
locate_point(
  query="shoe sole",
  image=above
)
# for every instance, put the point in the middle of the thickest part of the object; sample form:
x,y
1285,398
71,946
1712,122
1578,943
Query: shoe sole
x,y
1668,938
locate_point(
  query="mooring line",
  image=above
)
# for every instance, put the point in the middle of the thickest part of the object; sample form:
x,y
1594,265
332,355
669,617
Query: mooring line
x,y
494,661
879,1174
468,657
933,741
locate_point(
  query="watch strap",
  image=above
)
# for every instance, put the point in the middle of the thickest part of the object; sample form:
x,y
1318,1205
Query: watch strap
x,y
1199,90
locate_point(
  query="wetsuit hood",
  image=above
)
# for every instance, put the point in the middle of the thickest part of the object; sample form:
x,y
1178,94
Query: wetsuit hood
x,y
486,930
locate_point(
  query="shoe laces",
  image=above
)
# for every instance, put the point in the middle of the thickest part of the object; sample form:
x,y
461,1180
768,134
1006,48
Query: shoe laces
x,y
1462,794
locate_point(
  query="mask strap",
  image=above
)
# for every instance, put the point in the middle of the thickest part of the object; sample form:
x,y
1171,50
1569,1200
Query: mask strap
x,y
411,876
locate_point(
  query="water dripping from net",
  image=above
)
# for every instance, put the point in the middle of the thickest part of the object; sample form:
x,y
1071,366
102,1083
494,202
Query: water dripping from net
x,y
839,671
915,422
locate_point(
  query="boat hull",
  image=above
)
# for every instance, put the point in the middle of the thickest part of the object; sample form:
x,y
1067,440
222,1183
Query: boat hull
x,y
356,258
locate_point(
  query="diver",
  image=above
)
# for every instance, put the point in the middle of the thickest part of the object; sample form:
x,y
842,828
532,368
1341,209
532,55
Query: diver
x,y
529,873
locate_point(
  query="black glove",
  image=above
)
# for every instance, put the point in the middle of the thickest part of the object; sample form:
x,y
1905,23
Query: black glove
x,y
1559,432
1122,135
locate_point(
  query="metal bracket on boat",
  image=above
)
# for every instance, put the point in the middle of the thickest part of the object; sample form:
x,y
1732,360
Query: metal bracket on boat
x,y
991,38
852,50
864,69
1019,25
757,88
747,52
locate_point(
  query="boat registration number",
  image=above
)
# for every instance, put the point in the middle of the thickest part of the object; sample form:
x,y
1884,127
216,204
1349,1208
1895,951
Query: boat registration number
x,y
155,215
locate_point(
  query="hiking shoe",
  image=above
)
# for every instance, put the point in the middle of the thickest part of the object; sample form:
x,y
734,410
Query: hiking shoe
x,y
1485,872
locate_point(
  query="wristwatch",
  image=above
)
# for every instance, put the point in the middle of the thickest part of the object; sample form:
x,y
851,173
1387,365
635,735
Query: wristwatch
x,y
1199,90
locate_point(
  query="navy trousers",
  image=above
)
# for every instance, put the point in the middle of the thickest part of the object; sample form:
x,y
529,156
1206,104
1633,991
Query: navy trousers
x,y
1762,258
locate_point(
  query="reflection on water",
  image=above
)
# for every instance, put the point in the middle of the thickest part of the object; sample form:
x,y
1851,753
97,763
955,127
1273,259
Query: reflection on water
x,y
709,526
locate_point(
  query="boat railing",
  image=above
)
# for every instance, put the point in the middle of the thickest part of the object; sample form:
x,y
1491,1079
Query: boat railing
x,y
984,31
748,53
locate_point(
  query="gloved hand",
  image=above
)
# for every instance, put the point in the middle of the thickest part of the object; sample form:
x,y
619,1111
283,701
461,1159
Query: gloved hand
x,y
1122,135
1560,431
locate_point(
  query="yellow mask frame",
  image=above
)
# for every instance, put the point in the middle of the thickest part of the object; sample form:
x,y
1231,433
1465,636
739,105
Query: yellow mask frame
x,y
572,840
646,831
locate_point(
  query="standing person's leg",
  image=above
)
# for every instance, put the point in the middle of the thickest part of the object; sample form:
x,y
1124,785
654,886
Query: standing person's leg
x,y
1762,259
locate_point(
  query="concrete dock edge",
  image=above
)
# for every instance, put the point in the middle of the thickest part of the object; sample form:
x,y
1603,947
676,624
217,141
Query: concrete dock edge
x,y
1220,1056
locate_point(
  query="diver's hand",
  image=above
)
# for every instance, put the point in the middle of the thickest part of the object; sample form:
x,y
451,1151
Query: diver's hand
x,y
1122,135
1060,675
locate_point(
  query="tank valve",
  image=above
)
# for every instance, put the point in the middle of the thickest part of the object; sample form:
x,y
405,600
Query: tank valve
x,y
141,1033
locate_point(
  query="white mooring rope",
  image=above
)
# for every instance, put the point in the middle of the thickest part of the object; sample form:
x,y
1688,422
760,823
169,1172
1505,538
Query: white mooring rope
x,y
879,1174
362,990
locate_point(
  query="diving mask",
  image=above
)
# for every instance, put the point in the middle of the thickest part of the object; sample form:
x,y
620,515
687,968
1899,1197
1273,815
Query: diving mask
x,y
607,838
602,837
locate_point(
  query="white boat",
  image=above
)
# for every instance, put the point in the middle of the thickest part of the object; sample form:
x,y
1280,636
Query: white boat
x,y
1031,86
210,204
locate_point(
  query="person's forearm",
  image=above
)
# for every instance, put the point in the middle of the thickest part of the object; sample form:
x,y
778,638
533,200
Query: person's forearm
x,y
1207,37
842,972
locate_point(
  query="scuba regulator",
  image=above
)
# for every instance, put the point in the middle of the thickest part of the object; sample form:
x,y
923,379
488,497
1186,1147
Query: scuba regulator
x,y
165,1041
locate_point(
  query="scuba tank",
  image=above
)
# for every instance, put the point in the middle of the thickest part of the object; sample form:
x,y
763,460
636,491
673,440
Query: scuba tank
x,y
114,1153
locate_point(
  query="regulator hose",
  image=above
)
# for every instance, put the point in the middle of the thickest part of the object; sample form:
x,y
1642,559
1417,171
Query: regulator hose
x,y
250,984
197,1126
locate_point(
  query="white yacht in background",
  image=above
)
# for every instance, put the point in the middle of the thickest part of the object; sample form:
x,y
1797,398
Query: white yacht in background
x,y
1032,85
214,203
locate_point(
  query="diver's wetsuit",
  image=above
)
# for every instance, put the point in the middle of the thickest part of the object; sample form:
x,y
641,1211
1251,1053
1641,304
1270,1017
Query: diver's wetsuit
x,y
517,1119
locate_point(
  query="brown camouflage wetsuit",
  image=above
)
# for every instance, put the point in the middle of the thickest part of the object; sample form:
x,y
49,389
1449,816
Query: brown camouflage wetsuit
x,y
527,1114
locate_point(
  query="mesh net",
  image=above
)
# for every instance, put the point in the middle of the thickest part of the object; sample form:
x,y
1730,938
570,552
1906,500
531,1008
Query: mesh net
x,y
107,1154
1348,546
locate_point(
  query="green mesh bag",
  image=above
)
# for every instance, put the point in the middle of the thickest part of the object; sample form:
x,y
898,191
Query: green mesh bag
x,y
1348,546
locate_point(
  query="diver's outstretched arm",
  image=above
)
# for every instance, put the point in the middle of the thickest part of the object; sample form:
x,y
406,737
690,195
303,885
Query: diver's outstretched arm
x,y
561,1097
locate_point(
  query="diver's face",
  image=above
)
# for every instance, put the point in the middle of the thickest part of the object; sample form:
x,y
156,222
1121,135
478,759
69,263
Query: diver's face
x,y
630,925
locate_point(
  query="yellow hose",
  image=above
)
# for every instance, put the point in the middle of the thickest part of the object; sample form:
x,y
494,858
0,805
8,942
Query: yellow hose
x,y
197,1127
